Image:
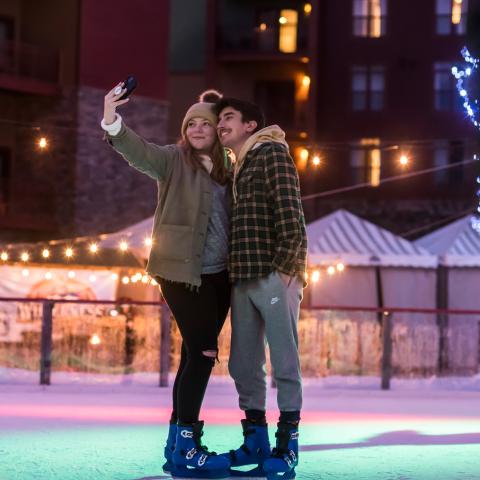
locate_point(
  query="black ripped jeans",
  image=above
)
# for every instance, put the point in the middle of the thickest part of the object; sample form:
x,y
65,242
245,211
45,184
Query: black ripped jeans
x,y
200,316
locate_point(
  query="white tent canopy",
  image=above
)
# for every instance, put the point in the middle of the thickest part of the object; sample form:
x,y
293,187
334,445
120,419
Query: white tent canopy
x,y
135,236
357,242
457,244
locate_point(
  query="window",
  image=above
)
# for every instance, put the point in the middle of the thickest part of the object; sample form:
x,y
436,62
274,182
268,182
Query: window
x,y
440,159
369,18
4,180
446,153
277,100
451,17
283,29
366,162
368,85
6,43
446,98
287,40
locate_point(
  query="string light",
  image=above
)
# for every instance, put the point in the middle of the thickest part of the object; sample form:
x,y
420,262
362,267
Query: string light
x,y
123,246
93,248
404,160
125,280
340,267
153,282
24,257
148,242
331,270
25,272
315,276
461,74
42,143
48,276
71,274
145,279
4,256
114,276
263,27
282,20
114,313
95,339
316,160
46,253
307,8
472,109
69,252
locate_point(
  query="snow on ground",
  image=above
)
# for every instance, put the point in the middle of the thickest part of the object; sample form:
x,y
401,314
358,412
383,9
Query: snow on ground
x,y
86,427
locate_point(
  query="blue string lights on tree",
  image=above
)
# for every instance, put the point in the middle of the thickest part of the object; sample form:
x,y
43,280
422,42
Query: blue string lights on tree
x,y
473,112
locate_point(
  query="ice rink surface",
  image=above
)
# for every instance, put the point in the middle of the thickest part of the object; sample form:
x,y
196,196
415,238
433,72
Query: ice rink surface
x,y
93,428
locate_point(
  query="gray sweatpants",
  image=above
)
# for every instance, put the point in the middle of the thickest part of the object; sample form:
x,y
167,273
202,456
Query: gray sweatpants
x,y
266,308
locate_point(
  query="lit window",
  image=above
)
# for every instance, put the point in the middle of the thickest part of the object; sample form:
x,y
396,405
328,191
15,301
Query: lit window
x,y
288,31
366,162
451,17
368,86
446,98
369,18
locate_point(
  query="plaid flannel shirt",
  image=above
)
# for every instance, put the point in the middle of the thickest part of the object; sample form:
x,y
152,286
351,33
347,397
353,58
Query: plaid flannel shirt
x,y
268,224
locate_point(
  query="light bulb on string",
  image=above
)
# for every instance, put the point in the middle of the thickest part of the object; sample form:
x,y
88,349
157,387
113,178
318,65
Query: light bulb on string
x,y
125,280
48,276
25,272
148,242
404,160
340,267
331,270
123,246
42,143
4,256
69,252
95,339
316,160
315,276
45,253
71,274
114,276
93,247
25,257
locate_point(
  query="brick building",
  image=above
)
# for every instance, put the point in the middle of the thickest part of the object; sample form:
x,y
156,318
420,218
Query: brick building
x,y
355,83
57,60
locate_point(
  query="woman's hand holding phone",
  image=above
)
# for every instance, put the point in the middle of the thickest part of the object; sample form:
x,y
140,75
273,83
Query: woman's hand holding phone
x,y
112,101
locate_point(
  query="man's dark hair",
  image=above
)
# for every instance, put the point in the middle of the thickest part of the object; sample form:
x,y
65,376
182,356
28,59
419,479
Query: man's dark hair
x,y
249,111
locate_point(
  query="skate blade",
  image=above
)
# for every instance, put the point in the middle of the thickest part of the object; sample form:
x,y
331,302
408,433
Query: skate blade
x,y
182,472
281,475
257,472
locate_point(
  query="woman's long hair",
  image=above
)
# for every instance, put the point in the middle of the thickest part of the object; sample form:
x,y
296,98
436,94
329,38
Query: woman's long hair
x,y
194,158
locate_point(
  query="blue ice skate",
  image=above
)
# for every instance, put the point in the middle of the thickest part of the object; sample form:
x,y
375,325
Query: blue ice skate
x,y
254,451
284,458
170,447
191,459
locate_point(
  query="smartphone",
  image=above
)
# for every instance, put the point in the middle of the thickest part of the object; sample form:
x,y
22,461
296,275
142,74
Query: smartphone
x,y
130,84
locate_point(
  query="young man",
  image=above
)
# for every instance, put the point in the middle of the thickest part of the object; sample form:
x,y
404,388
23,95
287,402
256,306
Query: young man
x,y
267,267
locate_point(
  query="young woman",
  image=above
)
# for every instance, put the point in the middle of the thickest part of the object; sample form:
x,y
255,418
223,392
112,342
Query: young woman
x,y
188,259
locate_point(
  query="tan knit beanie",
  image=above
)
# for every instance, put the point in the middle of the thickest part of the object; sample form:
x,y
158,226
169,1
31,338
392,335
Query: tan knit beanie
x,y
202,109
